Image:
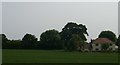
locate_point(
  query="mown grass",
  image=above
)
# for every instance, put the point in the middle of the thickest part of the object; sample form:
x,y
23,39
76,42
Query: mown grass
x,y
56,56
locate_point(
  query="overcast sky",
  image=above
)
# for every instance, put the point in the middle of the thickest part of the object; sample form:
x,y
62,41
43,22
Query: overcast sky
x,y
19,18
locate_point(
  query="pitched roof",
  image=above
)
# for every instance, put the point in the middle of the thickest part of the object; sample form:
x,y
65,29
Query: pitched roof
x,y
102,40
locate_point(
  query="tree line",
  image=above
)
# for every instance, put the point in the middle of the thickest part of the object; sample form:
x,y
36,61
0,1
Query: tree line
x,y
71,36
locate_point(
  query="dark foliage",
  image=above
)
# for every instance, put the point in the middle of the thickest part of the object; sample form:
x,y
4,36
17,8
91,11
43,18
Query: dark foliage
x,y
15,44
50,39
28,41
5,41
73,28
74,43
108,34
118,43
70,29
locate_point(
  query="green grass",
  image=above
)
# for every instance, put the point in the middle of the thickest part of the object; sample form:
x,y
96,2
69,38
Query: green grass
x,y
56,56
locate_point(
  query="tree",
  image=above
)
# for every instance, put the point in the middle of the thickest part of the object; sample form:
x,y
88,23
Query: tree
x,y
118,43
5,41
29,41
105,46
51,39
73,28
15,44
74,43
108,34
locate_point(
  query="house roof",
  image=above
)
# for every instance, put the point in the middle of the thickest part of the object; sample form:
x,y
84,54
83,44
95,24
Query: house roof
x,y
102,40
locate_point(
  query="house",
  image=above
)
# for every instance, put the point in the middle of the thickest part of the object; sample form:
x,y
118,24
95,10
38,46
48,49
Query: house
x,y
97,44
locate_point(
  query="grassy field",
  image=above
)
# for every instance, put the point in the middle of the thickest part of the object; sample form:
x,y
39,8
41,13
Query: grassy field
x,y
56,56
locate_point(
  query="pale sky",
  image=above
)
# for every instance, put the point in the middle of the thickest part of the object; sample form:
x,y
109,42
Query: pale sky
x,y
19,18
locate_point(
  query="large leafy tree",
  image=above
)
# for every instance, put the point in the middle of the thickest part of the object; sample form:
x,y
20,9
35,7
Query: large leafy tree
x,y
15,44
73,28
29,41
50,39
118,43
74,43
108,34
5,41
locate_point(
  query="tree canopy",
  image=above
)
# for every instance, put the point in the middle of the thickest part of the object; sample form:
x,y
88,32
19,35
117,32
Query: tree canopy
x,y
118,41
15,44
74,43
71,31
73,28
5,43
51,39
71,38
29,40
108,34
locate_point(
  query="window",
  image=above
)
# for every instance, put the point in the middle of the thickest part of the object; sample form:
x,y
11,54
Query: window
x,y
96,44
110,44
96,49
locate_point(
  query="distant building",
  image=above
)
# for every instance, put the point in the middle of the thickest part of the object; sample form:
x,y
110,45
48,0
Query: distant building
x,y
97,43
